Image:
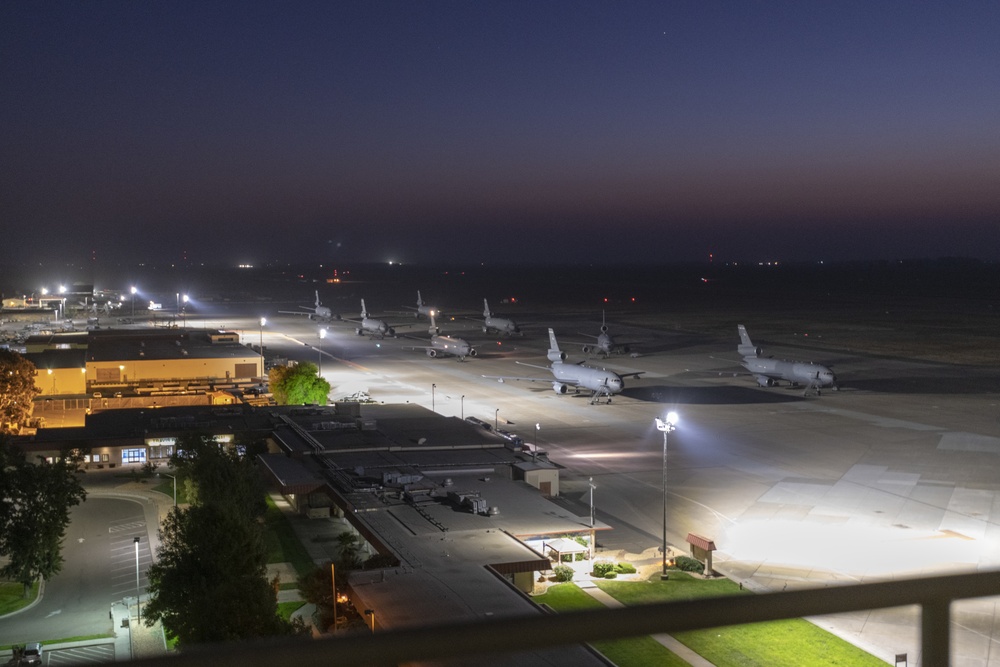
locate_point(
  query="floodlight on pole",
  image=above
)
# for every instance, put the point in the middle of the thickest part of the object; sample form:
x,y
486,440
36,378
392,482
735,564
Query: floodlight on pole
x,y
322,335
496,419
263,321
138,601
433,387
665,426
462,403
133,290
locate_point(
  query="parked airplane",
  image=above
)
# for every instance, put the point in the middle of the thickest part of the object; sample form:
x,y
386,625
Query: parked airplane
x,y
423,309
600,381
443,346
371,327
769,371
501,325
319,312
605,343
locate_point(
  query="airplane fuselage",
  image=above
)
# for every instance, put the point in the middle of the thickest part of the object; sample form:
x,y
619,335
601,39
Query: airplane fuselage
x,y
595,379
501,325
375,328
769,371
450,346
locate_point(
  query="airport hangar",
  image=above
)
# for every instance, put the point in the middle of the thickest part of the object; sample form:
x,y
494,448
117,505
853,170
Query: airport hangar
x,y
138,362
465,512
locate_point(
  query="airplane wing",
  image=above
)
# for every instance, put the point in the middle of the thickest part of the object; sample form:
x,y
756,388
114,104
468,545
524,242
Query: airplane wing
x,y
504,378
295,312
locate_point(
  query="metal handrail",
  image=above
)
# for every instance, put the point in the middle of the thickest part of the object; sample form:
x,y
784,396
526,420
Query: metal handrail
x,y
469,638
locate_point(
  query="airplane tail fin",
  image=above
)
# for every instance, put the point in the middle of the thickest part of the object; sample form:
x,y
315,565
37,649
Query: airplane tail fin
x,y
746,347
555,354
604,324
317,299
420,301
433,329
364,311
486,308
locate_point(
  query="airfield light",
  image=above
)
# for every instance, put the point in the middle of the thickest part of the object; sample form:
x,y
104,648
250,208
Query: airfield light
x,y
62,289
666,426
45,291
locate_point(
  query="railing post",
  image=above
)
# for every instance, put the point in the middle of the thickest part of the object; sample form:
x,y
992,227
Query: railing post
x,y
935,633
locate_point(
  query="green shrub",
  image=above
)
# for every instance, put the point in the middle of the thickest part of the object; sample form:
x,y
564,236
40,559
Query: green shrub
x,y
625,568
688,564
601,568
611,575
563,573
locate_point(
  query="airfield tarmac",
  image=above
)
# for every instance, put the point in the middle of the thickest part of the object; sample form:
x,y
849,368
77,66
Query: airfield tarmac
x,y
893,476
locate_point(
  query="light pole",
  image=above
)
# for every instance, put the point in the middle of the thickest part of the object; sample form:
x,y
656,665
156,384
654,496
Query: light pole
x,y
534,450
592,487
263,321
433,387
333,580
462,403
133,290
322,335
496,419
184,312
138,601
371,612
666,426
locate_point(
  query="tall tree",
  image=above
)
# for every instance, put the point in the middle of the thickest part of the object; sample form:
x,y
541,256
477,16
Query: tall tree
x,y
35,500
209,582
298,385
219,474
17,390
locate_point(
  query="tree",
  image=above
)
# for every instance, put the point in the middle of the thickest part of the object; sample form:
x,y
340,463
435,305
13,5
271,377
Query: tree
x,y
17,390
298,385
219,474
209,582
35,500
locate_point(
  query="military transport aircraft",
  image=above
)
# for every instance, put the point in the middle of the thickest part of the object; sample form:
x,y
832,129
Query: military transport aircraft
x,y
501,325
600,381
320,313
423,309
769,371
605,344
371,327
443,346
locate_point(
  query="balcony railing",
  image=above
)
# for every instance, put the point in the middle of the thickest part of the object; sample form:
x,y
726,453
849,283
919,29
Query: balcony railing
x,y
934,596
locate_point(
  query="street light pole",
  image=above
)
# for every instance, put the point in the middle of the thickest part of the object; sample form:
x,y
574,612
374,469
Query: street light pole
x,y
592,534
138,601
666,427
534,450
263,321
322,335
134,290
496,418
433,387
462,402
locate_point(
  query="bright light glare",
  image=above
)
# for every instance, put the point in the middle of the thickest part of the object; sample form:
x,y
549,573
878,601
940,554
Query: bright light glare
x,y
672,418
263,321
856,550
322,333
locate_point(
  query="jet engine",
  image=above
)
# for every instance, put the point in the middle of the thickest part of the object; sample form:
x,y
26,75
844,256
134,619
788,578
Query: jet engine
x,y
432,353
358,331
749,351
586,349
472,352
559,388
765,381
556,355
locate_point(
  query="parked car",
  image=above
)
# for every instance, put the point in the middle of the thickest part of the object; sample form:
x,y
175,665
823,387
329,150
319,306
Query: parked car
x,y
32,654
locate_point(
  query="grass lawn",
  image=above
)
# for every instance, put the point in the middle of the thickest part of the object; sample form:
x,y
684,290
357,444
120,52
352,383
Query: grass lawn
x,y
791,643
282,543
286,609
637,652
11,597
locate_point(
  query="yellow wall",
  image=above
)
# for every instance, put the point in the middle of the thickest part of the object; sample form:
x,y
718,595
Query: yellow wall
x,y
60,381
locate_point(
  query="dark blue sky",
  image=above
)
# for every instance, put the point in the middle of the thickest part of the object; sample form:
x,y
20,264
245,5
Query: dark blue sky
x,y
500,131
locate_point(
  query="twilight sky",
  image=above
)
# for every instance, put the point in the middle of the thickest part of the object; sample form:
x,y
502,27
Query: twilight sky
x,y
499,131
